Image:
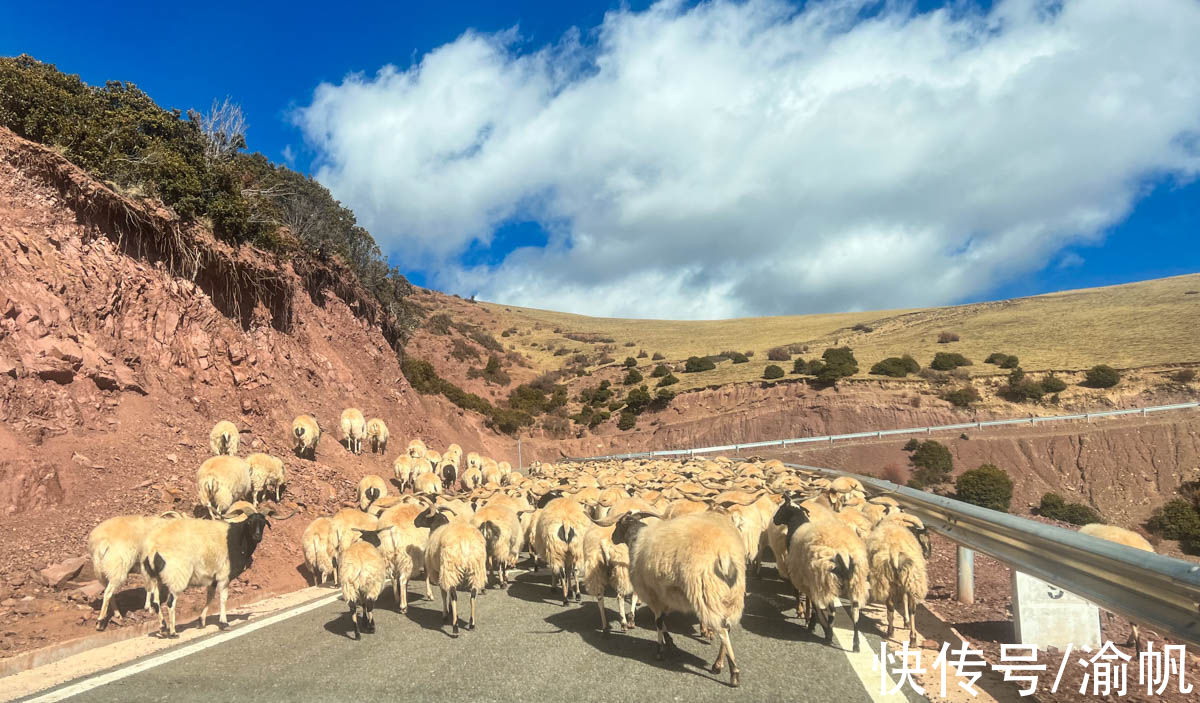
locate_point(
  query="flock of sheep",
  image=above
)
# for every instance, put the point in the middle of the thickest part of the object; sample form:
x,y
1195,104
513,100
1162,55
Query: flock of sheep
x,y
679,536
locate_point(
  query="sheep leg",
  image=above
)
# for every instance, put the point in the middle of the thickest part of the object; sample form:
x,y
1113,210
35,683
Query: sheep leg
x,y
633,604
445,605
908,613
110,590
578,590
471,622
454,610
659,631
369,614
223,623
208,599
603,618
400,585
891,626
855,611
562,575
1135,638
719,663
428,588
354,619
735,674
169,604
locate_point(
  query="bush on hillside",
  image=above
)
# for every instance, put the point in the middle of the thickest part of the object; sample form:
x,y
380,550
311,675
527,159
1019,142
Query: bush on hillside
x,y
772,371
948,361
642,354
1176,519
836,364
736,357
1010,362
660,371
1184,376
1053,384
1102,376
696,364
668,380
630,362
987,486
662,399
995,358
778,354
657,357
912,445
896,366
932,464
1054,507
632,377
637,400
862,327
627,421
962,397
945,337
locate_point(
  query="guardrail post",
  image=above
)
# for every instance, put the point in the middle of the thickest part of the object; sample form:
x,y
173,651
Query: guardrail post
x,y
928,431
1143,412
966,575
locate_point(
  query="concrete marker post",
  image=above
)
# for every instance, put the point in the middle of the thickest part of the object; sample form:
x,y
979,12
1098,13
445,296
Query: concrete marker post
x,y
966,575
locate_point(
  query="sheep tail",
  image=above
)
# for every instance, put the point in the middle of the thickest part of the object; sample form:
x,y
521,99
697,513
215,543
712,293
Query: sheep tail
x,y
843,569
210,492
491,535
154,565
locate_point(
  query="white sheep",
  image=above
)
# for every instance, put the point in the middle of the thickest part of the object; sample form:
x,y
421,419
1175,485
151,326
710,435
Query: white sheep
x,y
606,565
402,468
416,449
189,552
266,475
363,571
501,528
896,550
220,481
116,546
562,520
455,558
224,438
377,435
370,489
319,543
307,434
691,564
353,429
403,547
1129,538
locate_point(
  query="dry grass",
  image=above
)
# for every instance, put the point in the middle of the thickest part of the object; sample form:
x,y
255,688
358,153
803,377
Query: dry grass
x,y
1138,324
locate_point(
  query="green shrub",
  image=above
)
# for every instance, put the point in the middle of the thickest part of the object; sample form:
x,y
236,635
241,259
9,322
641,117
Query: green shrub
x,y
657,357
737,357
632,377
1053,384
987,486
668,380
863,327
945,337
1102,376
910,364
912,445
962,397
662,399
509,421
996,358
630,362
462,351
660,371
696,364
836,363
642,354
772,371
778,354
1010,362
1054,507
1176,519
638,400
627,421
948,361
1183,376
893,366
932,464
799,366
492,373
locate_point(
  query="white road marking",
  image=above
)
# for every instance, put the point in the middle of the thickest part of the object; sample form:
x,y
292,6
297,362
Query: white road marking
x,y
865,664
89,683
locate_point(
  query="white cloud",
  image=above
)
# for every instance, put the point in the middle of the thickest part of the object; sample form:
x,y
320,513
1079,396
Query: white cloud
x,y
752,158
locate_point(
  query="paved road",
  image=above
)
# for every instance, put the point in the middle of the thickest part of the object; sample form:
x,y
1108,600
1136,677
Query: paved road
x,y
527,647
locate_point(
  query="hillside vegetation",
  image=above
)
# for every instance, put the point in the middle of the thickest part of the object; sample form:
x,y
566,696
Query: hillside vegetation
x,y
1150,323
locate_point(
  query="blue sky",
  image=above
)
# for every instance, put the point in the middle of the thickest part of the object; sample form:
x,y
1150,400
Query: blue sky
x,y
572,192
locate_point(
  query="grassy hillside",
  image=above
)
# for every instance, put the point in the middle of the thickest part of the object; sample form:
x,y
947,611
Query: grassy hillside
x,y
1139,324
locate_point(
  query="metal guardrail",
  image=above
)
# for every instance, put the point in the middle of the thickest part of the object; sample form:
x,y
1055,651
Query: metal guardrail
x,y
1148,588
909,430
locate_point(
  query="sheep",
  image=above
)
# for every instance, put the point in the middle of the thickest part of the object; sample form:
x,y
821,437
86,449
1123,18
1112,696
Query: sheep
x,y
345,521
211,553
403,547
1129,538
416,449
427,483
224,438
220,481
691,564
449,471
606,564
471,479
501,529
362,571
455,558
402,467
353,428
896,552
433,458
505,468
473,460
319,542
370,489
116,546
825,560
377,435
490,471
307,433
562,520
266,474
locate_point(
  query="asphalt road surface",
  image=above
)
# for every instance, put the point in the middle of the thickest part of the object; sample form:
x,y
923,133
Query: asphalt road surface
x,y
527,647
